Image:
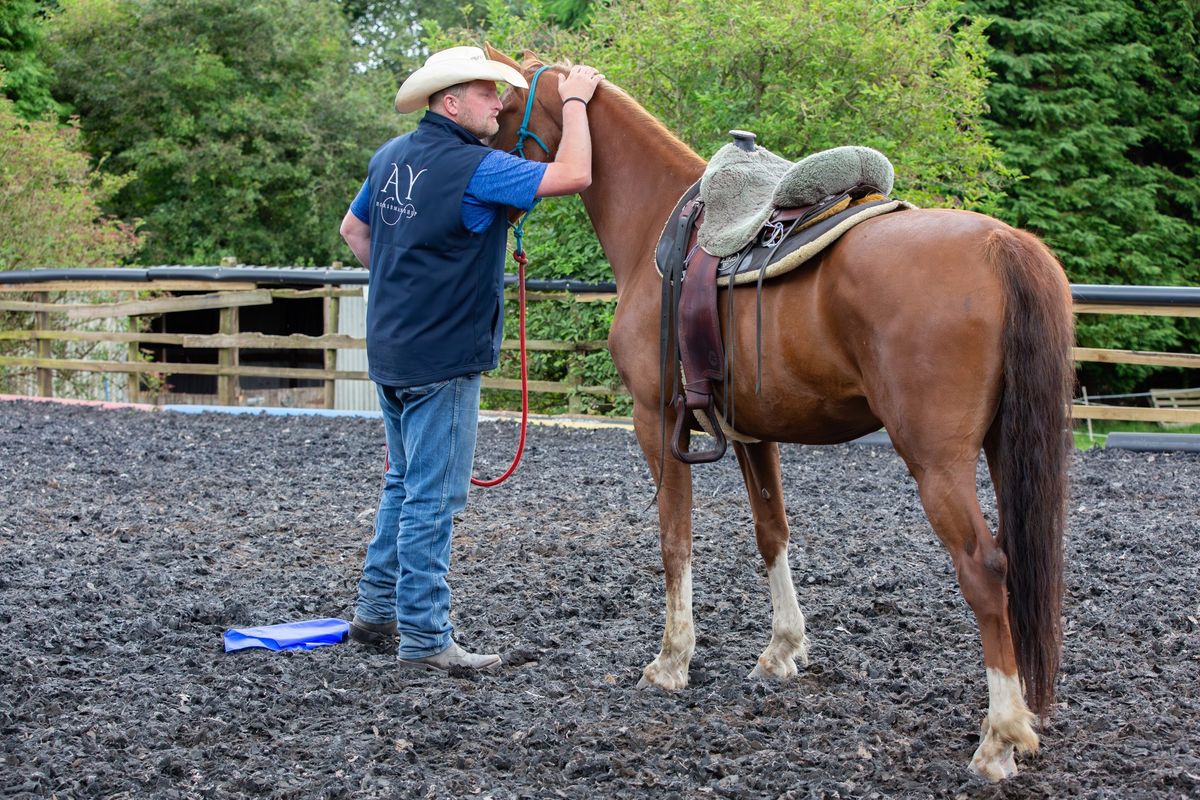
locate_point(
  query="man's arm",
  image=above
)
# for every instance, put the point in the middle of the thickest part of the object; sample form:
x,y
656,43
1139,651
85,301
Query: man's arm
x,y
571,170
358,236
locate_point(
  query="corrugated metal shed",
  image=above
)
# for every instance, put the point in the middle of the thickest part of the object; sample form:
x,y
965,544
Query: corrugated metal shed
x,y
352,321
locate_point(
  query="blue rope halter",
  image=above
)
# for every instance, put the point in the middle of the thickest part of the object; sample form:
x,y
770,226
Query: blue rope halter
x,y
524,133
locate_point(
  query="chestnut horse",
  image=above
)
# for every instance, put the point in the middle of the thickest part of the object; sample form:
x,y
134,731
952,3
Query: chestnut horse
x,y
949,328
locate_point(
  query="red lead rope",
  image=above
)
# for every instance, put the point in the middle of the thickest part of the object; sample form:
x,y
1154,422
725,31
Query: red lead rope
x,y
521,259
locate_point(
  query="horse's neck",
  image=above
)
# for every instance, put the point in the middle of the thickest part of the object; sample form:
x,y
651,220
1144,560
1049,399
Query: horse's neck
x,y
639,172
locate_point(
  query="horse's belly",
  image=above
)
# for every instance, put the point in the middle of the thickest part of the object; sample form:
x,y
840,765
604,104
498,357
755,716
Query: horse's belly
x,y
802,419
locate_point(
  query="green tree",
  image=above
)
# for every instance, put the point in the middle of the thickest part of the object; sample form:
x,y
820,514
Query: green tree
x,y
907,79
248,124
1095,103
569,13
391,32
50,199
28,79
50,217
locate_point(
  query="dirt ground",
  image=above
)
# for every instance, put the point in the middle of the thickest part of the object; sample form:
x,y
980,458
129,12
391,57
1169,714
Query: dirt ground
x,y
130,541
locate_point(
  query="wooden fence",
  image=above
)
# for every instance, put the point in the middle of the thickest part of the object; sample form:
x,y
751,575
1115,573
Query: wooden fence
x,y
66,298
47,300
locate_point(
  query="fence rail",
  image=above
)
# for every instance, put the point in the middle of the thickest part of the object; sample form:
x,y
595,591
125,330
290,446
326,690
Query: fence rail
x,y
227,289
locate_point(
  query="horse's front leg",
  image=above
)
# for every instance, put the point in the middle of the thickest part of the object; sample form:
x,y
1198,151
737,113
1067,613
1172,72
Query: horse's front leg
x,y
760,470
670,669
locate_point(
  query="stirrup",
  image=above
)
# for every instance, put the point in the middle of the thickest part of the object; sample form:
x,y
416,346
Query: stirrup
x,y
683,433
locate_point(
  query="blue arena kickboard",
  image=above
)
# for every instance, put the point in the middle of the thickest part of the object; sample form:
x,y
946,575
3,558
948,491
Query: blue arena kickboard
x,y
288,635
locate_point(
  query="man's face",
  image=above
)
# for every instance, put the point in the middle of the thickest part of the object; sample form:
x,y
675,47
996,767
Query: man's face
x,y
478,108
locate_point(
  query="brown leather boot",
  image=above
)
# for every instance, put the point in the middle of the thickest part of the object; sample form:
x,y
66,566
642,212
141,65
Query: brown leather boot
x,y
376,634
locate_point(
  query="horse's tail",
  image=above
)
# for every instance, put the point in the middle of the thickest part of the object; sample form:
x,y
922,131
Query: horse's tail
x,y
1033,450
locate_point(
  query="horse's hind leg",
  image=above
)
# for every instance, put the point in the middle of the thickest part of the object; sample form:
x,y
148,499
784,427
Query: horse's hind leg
x,y
669,670
949,495
760,469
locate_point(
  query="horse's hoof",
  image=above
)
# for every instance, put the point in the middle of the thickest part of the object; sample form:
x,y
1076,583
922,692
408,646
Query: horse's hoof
x,y
993,761
646,683
780,672
995,770
661,679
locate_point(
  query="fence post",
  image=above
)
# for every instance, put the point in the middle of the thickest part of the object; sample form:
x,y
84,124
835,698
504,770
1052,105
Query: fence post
x,y
575,364
575,378
228,385
332,310
133,386
1091,438
41,322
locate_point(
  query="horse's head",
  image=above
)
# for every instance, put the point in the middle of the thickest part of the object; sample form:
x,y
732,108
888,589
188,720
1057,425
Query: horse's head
x,y
545,112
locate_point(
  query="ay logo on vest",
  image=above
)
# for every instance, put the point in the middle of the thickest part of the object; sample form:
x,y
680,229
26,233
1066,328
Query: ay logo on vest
x,y
393,208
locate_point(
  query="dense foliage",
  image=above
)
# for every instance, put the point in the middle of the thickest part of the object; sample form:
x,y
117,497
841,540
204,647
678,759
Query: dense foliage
x,y
50,214
50,198
27,80
243,127
391,33
1096,103
248,124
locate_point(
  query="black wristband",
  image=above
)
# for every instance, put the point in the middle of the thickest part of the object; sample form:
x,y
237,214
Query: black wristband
x,y
580,99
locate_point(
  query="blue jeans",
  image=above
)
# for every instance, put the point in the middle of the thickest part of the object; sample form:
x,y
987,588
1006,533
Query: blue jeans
x,y
431,445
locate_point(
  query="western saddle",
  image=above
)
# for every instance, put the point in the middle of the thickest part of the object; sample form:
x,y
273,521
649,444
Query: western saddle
x,y
753,215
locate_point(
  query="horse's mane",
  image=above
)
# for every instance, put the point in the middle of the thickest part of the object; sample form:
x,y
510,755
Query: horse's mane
x,y
630,109
627,106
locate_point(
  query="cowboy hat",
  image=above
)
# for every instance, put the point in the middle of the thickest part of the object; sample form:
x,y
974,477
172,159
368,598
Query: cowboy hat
x,y
447,68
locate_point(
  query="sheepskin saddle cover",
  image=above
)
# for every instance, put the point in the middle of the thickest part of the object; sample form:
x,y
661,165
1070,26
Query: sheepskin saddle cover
x,y
740,189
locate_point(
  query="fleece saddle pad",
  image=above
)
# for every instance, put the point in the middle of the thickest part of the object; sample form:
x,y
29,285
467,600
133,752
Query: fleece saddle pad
x,y
762,259
741,188
769,252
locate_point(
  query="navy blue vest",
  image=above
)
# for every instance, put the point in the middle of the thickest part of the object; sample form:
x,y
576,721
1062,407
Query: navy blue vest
x,y
435,306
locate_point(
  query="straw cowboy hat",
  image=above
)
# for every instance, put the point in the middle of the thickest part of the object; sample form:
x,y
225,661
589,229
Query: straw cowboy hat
x,y
446,68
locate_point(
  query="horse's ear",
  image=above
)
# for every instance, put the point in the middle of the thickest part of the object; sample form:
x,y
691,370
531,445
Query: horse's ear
x,y
531,60
496,55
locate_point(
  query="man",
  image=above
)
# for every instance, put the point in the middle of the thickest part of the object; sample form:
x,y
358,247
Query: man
x,y
430,223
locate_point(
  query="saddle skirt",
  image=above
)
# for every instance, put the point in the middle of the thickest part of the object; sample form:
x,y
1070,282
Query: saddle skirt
x,y
741,188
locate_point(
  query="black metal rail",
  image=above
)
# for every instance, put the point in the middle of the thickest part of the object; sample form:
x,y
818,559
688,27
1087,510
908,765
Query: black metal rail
x,y
280,276
320,276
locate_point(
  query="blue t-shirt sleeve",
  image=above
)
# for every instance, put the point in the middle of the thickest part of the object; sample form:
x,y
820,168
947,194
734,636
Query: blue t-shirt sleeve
x,y
500,180
361,207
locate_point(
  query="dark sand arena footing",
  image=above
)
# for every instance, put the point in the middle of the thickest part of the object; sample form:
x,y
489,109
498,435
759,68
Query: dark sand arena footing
x,y
130,541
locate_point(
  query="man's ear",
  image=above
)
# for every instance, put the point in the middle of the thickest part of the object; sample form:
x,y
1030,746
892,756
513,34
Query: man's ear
x,y
448,99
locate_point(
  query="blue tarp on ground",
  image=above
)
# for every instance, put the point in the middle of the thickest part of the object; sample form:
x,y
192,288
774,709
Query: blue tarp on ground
x,y
288,635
